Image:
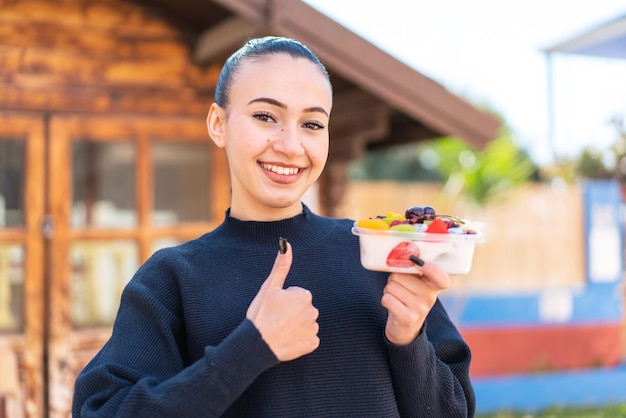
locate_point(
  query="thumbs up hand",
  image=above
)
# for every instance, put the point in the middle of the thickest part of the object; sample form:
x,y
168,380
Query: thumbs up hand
x,y
286,318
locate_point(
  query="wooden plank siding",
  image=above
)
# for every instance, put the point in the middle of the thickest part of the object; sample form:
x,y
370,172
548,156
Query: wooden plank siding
x,y
97,56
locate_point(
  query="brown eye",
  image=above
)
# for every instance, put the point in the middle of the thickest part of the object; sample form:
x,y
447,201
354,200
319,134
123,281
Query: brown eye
x,y
313,125
264,117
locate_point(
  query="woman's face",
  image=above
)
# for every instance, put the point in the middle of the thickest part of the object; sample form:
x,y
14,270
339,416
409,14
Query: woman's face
x,y
275,133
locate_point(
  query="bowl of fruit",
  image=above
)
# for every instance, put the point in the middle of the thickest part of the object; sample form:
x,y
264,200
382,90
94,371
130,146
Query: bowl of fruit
x,y
400,243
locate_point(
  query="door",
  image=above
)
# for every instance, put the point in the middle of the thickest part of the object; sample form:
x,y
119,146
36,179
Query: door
x,y
22,303
120,188
83,202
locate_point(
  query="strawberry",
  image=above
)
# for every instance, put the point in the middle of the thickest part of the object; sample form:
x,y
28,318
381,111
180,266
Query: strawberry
x,y
399,255
438,226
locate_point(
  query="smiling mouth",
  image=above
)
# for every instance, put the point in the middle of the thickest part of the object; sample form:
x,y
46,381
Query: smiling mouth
x,y
278,169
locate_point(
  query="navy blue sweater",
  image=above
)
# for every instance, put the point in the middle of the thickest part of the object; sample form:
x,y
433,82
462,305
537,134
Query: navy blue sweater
x,y
182,347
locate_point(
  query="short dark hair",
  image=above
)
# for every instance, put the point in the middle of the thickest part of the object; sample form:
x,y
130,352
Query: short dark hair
x,y
259,48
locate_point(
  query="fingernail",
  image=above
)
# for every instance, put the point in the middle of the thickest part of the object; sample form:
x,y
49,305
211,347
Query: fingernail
x,y
416,260
282,245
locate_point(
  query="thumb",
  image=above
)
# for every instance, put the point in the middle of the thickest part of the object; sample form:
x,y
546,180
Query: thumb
x,y
282,264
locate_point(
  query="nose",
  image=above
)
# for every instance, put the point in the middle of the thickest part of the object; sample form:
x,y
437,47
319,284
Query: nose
x,y
289,142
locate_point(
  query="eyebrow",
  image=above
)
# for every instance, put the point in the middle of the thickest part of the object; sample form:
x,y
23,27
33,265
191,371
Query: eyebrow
x,y
284,106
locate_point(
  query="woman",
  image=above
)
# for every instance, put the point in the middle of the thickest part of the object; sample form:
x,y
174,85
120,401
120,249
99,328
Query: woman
x,y
230,325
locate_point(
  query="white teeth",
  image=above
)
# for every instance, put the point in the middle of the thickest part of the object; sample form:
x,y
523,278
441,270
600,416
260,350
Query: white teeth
x,y
280,169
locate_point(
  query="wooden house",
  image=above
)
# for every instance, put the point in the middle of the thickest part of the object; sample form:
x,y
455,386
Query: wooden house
x,y
104,155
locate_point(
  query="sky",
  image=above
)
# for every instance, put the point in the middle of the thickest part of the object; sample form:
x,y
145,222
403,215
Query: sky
x,y
490,52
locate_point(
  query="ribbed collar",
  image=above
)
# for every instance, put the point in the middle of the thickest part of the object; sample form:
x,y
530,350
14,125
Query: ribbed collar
x,y
306,228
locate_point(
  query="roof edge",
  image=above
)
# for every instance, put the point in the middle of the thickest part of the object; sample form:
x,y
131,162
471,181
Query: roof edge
x,y
372,69
598,34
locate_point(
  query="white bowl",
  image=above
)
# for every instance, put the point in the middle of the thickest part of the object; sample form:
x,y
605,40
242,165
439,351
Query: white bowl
x,y
452,252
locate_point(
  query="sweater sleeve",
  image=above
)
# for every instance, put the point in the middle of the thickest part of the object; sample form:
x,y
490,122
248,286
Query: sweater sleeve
x,y
431,375
142,371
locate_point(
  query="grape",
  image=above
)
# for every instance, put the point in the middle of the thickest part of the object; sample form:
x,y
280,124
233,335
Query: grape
x,y
450,223
429,213
415,215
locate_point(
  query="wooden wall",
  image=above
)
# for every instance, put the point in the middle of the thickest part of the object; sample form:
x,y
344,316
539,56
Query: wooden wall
x,y
97,56
81,60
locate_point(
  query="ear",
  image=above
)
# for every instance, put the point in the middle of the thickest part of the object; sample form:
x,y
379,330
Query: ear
x,y
215,122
